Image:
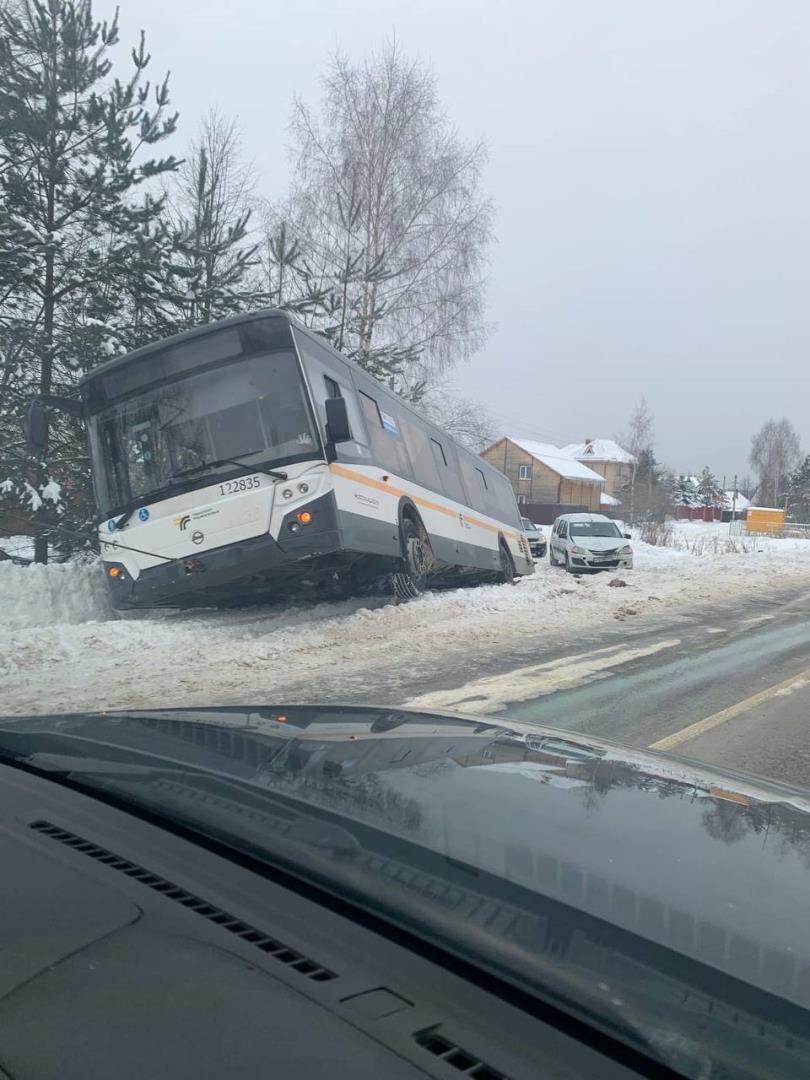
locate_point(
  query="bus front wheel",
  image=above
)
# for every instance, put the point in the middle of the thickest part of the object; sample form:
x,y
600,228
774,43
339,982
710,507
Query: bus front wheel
x,y
411,581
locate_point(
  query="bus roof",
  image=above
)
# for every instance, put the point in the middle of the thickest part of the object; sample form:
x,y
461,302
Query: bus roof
x,y
187,335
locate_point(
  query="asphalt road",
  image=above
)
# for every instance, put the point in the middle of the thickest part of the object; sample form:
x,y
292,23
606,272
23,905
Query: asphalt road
x,y
730,686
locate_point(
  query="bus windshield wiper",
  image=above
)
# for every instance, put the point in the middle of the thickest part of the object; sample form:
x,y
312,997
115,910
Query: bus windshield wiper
x,y
121,521
229,461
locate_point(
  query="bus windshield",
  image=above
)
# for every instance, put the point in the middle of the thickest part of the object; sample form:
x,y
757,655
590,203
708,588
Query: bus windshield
x,y
248,408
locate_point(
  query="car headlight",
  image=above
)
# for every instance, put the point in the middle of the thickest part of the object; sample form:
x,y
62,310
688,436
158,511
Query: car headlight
x,y
626,550
579,551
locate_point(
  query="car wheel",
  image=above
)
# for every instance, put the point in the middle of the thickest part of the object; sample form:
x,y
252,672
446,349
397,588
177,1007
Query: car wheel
x,y
411,581
551,560
568,568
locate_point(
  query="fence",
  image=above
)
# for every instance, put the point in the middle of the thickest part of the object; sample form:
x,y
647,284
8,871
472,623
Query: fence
x,y
786,530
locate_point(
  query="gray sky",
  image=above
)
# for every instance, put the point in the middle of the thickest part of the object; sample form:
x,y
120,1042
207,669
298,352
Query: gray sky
x,y
651,169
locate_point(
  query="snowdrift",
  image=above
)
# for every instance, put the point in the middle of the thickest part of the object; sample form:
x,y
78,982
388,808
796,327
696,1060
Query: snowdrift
x,y
56,593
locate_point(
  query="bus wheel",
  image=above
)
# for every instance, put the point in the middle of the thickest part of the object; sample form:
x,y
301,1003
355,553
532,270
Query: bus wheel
x,y
507,576
411,581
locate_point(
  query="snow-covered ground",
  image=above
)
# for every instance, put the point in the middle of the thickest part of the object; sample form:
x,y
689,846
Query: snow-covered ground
x,y
62,648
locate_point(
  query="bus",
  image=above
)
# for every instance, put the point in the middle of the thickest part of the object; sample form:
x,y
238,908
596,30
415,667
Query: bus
x,y
248,459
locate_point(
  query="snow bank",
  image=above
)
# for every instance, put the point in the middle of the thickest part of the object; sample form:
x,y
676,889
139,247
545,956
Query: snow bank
x,y
62,648
59,593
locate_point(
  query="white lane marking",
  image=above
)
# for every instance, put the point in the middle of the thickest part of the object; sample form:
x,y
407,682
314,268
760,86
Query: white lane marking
x,y
700,727
755,620
716,630
494,692
799,684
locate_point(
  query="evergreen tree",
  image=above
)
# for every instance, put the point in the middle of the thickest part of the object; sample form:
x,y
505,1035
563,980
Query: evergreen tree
x,y
798,491
210,202
685,491
85,251
650,490
709,492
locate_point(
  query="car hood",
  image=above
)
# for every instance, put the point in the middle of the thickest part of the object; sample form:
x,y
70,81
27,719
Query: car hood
x,y
713,864
599,543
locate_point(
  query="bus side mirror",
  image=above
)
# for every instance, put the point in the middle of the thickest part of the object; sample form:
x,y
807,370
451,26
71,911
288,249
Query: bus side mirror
x,y
337,421
35,428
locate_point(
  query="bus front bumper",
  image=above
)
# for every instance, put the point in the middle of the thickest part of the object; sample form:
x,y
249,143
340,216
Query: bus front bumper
x,y
236,573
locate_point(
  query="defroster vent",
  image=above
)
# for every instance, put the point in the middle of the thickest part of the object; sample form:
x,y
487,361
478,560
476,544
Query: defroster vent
x,y
293,959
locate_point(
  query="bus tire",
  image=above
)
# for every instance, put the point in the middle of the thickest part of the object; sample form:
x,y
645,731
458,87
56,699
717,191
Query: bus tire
x,y
411,581
507,575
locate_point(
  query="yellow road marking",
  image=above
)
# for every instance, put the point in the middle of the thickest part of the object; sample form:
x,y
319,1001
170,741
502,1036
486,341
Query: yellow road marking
x,y
700,727
380,485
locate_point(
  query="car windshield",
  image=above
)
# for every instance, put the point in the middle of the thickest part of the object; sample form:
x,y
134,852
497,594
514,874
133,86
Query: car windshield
x,y
254,409
594,528
449,360
396,809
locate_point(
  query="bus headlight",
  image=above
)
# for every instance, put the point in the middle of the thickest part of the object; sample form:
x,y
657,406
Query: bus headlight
x,y
303,488
287,493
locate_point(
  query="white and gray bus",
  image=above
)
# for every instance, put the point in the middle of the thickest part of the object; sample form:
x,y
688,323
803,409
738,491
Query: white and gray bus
x,y
249,458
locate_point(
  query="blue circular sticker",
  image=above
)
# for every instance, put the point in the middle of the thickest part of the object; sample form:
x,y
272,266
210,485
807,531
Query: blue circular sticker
x,y
143,514
111,526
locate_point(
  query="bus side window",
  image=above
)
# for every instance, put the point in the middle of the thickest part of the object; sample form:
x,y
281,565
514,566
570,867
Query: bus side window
x,y
332,388
424,466
387,444
448,470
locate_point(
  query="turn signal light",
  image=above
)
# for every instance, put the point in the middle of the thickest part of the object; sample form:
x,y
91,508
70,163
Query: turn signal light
x,y
114,571
117,573
304,517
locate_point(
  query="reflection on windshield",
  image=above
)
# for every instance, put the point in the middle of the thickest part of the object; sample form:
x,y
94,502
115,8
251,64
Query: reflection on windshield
x,y
416,817
255,406
594,528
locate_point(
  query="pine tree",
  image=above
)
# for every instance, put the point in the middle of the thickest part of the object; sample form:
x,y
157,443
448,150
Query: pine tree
x,y
798,492
211,209
709,492
85,252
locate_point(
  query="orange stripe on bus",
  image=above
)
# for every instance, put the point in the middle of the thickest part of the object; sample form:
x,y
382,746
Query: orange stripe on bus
x,y
381,485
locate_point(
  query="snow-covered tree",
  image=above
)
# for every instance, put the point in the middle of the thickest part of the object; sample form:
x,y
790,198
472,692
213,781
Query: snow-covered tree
x,y
709,492
211,203
798,492
85,252
685,492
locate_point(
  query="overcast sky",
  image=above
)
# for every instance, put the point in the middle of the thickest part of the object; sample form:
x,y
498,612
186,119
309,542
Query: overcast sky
x,y
650,163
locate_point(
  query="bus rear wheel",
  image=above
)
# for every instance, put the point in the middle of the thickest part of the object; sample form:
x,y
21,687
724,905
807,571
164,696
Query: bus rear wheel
x,y
411,581
508,575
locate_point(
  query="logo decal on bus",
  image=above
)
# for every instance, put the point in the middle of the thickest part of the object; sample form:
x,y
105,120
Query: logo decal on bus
x,y
197,537
143,514
183,521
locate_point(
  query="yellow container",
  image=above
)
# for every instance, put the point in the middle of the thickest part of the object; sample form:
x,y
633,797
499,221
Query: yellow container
x,y
764,521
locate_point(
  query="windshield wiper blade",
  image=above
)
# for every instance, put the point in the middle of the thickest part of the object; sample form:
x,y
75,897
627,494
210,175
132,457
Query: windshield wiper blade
x,y
229,461
120,522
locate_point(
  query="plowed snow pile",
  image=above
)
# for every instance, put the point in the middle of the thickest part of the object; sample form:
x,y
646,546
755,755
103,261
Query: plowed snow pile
x,y
62,648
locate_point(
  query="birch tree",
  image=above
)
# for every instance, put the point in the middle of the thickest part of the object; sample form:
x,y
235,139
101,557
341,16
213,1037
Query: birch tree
x,y
389,214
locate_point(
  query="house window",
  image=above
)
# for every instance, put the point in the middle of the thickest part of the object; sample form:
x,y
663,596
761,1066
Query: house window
x,y
522,500
525,472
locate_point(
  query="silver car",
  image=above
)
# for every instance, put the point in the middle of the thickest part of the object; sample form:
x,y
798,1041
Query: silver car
x,y
589,542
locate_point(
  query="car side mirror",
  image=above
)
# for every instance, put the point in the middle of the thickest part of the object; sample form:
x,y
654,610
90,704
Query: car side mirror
x,y
337,421
627,536
35,429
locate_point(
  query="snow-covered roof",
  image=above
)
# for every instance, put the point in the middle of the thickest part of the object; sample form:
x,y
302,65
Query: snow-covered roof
x,y
557,460
608,500
599,450
740,502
